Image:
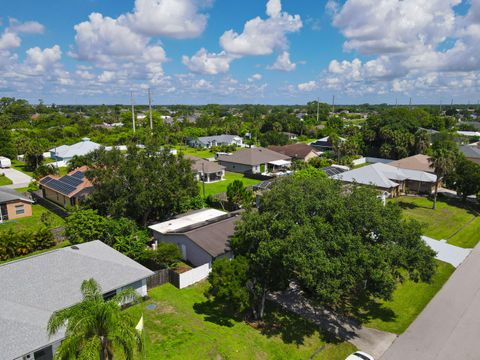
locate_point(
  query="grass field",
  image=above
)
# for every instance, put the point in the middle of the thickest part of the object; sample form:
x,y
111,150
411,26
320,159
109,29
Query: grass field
x,y
4,180
32,222
408,300
452,220
201,153
185,326
221,186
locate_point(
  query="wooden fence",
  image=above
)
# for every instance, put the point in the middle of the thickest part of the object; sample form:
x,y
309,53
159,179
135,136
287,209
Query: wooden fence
x,y
178,280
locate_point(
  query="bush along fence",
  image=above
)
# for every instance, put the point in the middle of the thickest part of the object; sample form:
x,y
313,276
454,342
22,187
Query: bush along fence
x,y
179,280
20,243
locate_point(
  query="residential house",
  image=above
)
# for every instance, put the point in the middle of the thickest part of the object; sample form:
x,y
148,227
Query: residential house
x,y
416,162
202,236
204,170
324,144
390,179
35,287
67,190
254,161
67,152
216,140
472,152
302,152
14,205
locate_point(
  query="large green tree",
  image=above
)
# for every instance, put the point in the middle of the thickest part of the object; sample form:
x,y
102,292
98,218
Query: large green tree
x,y
145,184
95,328
336,245
466,178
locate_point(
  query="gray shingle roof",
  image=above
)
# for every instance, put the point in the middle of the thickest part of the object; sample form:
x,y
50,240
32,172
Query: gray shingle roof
x,y
201,165
7,195
34,287
470,151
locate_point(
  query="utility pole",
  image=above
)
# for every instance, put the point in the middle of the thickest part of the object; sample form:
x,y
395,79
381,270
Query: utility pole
x,y
203,179
410,103
333,105
396,102
150,108
133,111
318,109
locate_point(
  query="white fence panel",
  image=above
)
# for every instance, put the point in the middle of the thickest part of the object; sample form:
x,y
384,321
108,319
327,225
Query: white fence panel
x,y
195,275
360,161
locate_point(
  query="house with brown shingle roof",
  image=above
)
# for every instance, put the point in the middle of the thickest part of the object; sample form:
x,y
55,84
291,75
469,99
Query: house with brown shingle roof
x,y
67,190
204,170
297,151
417,162
254,161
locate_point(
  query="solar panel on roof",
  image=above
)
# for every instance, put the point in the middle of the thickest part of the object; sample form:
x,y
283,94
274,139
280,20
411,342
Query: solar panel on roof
x,y
45,180
333,170
78,175
70,180
61,187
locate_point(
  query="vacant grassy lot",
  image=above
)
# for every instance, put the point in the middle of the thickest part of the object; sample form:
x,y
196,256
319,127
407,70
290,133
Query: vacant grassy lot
x,y
198,152
32,222
4,180
408,300
185,326
453,220
221,186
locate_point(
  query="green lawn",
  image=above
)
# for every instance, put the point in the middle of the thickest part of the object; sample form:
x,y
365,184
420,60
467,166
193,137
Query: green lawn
x,y
408,300
20,166
443,223
32,222
198,152
4,180
185,326
221,186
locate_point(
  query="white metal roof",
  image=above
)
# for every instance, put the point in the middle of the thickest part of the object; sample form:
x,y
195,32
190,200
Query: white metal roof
x,y
187,220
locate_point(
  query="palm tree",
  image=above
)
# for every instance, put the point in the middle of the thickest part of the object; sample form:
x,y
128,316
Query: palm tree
x,y
95,327
442,161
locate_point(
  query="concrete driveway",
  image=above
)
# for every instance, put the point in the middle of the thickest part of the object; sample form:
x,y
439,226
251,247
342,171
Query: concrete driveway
x,y
448,253
19,179
449,327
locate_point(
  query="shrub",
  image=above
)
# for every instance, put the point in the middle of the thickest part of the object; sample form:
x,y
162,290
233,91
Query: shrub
x,y
166,255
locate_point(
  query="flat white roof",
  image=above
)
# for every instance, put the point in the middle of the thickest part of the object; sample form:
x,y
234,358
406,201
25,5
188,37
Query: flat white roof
x,y
187,220
280,162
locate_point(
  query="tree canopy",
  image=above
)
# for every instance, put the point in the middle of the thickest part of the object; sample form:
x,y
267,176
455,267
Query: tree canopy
x,y
337,244
145,185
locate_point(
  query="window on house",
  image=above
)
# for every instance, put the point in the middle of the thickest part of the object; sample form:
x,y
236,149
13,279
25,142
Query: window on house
x,y
19,209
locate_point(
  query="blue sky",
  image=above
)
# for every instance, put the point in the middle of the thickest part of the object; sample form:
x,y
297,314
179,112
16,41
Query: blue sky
x,y
250,51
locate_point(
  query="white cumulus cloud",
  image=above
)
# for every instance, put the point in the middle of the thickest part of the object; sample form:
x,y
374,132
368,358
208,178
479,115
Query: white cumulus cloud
x,y
262,36
283,63
208,63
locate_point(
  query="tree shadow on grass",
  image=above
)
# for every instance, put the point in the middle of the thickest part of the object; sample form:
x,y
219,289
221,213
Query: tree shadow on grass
x,y
367,309
214,312
291,328
408,205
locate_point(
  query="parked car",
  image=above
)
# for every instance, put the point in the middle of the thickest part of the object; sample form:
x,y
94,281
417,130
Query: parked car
x,y
359,355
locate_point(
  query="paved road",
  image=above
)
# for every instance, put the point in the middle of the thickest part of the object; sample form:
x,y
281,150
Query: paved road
x,y
372,341
449,253
19,179
449,327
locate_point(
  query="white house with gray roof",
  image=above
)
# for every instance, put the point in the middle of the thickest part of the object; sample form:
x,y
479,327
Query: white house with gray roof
x,y
215,140
67,152
35,287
